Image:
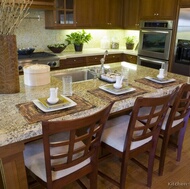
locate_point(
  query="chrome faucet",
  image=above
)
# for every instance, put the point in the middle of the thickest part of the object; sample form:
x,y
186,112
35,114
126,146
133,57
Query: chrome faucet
x,y
102,61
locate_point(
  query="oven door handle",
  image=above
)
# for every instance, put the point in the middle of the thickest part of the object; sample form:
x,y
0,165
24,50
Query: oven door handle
x,y
154,31
151,60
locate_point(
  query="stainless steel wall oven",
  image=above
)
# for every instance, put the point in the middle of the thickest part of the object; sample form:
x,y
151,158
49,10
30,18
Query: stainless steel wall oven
x,y
154,43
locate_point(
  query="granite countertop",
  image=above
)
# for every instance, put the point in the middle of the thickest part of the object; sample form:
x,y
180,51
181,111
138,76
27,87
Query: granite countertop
x,y
14,127
94,52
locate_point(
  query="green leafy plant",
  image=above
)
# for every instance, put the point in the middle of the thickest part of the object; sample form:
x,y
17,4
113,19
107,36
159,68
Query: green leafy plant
x,y
78,37
130,40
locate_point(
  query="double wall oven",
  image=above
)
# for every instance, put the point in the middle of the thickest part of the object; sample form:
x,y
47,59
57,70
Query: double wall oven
x,y
154,43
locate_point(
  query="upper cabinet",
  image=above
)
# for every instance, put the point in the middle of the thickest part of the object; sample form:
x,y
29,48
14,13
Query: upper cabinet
x,y
83,13
184,3
158,9
103,14
131,14
63,15
107,14
44,4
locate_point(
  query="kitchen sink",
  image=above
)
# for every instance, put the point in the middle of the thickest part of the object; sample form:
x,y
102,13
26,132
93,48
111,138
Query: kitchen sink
x,y
78,75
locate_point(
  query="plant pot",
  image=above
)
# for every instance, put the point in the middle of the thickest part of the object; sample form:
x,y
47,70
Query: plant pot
x,y
129,46
78,48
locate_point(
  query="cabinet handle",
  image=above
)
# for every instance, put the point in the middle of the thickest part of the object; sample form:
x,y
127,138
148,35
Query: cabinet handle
x,y
74,60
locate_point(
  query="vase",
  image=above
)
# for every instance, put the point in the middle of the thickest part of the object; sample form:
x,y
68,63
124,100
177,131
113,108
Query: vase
x,y
78,48
9,73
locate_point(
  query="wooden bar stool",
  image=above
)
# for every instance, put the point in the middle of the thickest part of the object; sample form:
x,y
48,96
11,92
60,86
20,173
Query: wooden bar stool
x,y
68,151
127,136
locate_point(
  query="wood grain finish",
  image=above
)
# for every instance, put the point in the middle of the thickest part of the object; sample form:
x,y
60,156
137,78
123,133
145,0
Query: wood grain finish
x,y
159,9
12,167
175,173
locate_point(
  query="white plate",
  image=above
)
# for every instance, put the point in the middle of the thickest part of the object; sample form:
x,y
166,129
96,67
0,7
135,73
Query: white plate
x,y
161,81
110,89
45,109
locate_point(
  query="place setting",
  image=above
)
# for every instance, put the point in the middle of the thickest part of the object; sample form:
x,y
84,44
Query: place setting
x,y
53,106
118,90
159,81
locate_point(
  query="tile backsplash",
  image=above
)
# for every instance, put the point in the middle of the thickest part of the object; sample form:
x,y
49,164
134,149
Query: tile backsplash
x,y
32,33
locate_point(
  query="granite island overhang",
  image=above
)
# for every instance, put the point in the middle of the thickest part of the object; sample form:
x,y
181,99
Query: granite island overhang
x,y
15,130
14,127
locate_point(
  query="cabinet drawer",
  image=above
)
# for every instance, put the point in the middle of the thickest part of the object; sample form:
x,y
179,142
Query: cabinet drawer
x,y
73,62
113,58
130,58
93,60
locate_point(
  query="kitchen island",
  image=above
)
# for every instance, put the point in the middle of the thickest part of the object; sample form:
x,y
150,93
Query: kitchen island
x,y
15,130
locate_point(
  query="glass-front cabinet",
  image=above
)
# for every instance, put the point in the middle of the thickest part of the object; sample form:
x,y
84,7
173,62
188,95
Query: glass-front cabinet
x,y
63,15
65,12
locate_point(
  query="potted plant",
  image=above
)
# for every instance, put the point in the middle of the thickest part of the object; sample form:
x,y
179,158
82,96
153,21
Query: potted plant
x,y
78,39
130,42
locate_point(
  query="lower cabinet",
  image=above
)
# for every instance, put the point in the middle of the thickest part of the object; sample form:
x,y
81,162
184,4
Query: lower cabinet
x,y
130,58
95,60
72,62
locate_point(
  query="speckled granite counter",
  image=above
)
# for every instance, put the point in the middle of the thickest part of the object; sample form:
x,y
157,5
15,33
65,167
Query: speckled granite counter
x,y
14,127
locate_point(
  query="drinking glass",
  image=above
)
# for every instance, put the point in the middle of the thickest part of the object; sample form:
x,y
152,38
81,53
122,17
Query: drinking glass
x,y
67,85
125,73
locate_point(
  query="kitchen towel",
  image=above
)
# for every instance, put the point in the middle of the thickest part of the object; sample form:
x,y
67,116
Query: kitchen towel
x,y
32,114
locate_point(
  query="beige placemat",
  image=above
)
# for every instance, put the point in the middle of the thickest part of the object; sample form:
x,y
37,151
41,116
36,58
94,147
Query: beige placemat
x,y
158,85
111,97
32,114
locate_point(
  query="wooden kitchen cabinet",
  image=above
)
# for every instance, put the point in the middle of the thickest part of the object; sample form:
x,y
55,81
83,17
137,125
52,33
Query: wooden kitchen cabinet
x,y
130,58
111,58
69,14
63,15
83,13
184,3
158,9
72,62
131,14
43,4
107,14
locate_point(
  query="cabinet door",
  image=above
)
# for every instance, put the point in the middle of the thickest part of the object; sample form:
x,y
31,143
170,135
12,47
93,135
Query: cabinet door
x,y
148,9
168,9
107,14
184,3
83,13
63,15
114,14
158,9
131,14
99,16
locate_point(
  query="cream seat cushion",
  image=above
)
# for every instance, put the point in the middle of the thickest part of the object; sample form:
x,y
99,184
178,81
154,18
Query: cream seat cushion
x,y
34,160
145,111
115,131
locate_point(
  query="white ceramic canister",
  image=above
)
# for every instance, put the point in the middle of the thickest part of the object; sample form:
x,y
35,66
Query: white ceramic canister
x,y
36,75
